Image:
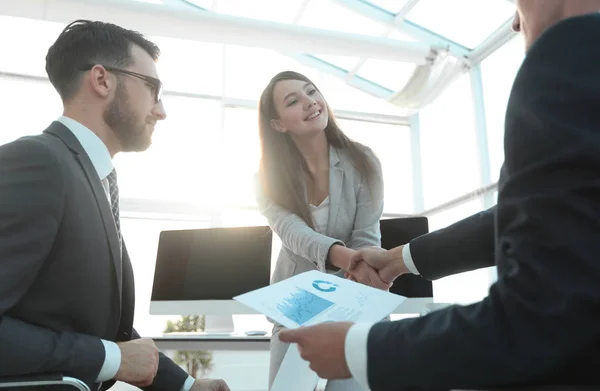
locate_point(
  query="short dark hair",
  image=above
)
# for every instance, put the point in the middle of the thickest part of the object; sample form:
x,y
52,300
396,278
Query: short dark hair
x,y
90,42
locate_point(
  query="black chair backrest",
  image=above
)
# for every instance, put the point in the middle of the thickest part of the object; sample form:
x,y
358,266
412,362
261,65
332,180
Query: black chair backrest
x,y
399,231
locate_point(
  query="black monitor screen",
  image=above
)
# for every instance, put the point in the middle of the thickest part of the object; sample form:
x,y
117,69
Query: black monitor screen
x,y
399,231
212,263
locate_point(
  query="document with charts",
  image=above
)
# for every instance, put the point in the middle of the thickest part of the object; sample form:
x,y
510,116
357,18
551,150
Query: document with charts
x,y
311,298
314,297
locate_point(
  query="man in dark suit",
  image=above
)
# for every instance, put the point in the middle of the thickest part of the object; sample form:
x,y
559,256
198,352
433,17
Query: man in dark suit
x,y
540,321
66,281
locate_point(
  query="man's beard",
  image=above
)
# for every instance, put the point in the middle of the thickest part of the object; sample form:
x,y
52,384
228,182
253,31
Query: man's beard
x,y
131,132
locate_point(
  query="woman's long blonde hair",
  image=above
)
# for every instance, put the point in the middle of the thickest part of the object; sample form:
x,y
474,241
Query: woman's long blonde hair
x,y
281,163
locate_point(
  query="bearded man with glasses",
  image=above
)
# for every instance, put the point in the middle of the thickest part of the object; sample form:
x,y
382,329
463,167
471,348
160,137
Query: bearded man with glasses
x,y
66,280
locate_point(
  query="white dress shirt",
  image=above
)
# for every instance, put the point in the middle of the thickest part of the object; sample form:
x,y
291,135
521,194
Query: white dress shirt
x,y
355,346
100,158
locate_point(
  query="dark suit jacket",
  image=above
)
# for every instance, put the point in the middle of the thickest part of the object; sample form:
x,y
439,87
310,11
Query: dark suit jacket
x,y
460,247
63,285
540,323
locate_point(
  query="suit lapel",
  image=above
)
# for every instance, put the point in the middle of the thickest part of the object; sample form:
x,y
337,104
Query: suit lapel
x,y
336,180
63,133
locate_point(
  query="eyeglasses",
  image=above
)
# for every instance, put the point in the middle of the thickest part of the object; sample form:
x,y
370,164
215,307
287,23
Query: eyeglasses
x,y
154,82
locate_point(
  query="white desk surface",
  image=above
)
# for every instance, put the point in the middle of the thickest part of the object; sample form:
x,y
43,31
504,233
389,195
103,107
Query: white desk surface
x,y
241,341
233,307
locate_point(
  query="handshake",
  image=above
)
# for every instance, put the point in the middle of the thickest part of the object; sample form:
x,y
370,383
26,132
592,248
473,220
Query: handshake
x,y
371,266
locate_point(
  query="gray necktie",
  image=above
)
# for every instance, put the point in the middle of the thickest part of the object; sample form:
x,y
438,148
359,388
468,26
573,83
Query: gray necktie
x,y
114,203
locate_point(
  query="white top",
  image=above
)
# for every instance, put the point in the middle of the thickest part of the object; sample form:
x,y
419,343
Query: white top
x,y
320,215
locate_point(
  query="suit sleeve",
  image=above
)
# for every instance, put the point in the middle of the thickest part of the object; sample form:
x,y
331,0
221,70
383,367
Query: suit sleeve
x,y
463,246
295,234
369,209
31,205
543,313
169,377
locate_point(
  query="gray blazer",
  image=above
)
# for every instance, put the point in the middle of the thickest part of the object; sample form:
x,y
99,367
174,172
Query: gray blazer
x,y
354,215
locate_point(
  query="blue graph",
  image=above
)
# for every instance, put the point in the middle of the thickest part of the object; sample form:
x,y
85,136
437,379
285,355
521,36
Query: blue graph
x,y
302,306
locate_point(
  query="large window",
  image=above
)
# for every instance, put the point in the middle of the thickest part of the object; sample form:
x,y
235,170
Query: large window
x,y
465,287
19,99
25,43
190,66
241,154
392,145
498,73
451,168
452,215
454,20
248,70
184,159
449,145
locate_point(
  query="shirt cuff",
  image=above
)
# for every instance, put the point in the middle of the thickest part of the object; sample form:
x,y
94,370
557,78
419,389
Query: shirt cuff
x,y
356,352
408,261
189,382
112,361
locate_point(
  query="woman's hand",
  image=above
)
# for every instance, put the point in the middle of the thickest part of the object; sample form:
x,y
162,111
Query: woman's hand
x,y
340,256
365,274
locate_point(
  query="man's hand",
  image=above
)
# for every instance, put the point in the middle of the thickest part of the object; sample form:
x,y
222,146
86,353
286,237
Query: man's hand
x,y
323,346
389,264
139,362
210,385
365,274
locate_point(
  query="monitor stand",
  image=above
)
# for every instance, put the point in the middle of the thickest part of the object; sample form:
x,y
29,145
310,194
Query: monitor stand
x,y
218,324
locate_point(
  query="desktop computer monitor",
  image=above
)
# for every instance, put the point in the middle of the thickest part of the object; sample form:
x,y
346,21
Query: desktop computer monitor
x,y
199,271
399,231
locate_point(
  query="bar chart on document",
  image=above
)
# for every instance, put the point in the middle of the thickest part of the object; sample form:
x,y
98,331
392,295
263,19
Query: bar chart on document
x,y
311,298
302,306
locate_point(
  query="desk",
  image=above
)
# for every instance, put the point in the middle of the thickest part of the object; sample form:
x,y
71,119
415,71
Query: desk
x,y
238,342
233,307
242,342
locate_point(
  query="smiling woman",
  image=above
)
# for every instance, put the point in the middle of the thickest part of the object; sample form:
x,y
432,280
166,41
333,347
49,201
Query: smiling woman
x,y
297,129
321,192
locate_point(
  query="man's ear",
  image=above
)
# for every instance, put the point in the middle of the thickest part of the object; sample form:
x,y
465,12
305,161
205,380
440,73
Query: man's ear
x,y
100,80
276,125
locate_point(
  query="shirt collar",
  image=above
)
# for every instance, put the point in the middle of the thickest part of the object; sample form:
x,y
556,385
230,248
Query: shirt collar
x,y
92,145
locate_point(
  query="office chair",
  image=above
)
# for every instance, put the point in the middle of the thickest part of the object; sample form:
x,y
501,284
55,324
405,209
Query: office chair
x,y
51,379
399,231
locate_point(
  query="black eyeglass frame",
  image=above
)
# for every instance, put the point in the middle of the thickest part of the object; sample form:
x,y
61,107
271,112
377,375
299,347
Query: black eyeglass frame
x,y
154,82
